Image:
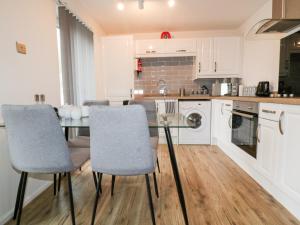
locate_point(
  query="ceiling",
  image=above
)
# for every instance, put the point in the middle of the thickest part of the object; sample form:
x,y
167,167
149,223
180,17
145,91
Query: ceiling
x,y
186,15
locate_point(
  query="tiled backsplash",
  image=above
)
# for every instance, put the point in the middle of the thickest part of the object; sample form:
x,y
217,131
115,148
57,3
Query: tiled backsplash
x,y
177,72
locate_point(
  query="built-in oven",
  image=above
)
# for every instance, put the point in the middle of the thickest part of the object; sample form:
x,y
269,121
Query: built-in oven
x,y
244,126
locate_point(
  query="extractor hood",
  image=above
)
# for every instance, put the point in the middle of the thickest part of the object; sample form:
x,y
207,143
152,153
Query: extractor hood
x,y
285,17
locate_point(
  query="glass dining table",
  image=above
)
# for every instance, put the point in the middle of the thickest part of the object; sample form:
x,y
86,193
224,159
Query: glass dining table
x,y
164,121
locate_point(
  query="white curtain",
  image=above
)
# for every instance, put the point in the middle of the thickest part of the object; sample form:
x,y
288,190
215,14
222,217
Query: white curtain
x,y
77,59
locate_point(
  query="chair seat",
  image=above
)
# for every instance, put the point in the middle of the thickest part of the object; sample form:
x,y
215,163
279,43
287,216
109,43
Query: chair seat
x,y
79,142
79,156
154,142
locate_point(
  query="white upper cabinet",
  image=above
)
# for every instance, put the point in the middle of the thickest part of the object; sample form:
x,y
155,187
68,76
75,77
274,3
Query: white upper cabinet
x,y
166,47
227,55
205,56
150,47
118,67
218,57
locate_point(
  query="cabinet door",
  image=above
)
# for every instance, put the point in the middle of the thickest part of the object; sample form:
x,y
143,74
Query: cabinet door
x,y
224,122
226,55
267,147
205,56
180,46
150,47
118,67
290,157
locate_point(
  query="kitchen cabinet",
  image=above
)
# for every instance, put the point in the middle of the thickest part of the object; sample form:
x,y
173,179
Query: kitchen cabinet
x,y
165,48
205,55
267,147
162,109
290,151
222,122
118,67
218,57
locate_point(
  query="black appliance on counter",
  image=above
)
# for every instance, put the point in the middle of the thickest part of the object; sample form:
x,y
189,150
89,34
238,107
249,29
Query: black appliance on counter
x,y
263,89
244,126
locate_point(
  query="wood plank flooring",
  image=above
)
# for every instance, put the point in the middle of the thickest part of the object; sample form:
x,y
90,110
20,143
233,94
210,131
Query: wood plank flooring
x,y
217,191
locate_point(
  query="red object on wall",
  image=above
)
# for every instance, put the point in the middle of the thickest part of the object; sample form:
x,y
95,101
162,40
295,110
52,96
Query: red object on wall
x,y
139,65
165,35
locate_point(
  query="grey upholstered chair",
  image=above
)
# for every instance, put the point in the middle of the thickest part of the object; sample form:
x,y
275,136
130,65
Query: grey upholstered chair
x,y
120,145
83,138
37,145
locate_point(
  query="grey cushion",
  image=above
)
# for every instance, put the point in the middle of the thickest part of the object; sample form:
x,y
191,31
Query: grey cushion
x,y
120,143
150,108
79,156
79,142
36,140
86,131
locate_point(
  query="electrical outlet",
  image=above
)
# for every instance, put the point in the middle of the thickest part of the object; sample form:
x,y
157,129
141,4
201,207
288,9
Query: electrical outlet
x,y
21,48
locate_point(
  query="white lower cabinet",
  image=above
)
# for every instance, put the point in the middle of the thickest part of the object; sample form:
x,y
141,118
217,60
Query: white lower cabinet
x,y
290,152
222,121
167,106
267,147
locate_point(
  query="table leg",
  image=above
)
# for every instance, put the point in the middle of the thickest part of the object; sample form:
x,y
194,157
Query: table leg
x,y
176,173
67,133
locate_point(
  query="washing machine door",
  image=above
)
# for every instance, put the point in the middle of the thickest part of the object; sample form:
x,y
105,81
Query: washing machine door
x,y
194,120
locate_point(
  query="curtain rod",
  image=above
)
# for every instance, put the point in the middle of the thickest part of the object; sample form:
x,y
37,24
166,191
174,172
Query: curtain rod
x,y
64,4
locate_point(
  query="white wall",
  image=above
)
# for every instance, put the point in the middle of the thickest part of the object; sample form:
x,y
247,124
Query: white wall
x,y
21,76
261,53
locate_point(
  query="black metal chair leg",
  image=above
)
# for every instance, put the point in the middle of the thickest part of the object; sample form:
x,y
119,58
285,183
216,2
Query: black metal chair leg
x,y
54,184
59,182
95,179
158,167
71,198
113,178
155,185
96,202
18,197
22,195
150,199
99,175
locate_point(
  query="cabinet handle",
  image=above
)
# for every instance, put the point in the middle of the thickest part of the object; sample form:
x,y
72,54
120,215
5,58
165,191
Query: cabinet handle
x,y
227,105
280,123
181,50
268,111
257,136
215,66
153,51
199,67
229,121
148,52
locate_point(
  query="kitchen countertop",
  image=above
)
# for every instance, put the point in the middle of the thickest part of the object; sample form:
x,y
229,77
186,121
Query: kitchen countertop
x,y
288,101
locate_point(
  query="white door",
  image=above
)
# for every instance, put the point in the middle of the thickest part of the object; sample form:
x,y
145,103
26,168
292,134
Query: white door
x,y
290,151
205,56
118,67
267,147
226,55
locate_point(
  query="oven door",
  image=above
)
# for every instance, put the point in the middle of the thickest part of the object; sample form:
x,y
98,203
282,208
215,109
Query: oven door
x,y
244,127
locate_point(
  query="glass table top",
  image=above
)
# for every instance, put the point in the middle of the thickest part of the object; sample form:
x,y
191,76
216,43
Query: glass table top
x,y
170,120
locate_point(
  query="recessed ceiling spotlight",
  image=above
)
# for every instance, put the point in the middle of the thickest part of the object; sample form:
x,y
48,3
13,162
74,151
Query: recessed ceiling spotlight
x,y
120,6
171,3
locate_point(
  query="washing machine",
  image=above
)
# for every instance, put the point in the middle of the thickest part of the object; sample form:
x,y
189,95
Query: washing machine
x,y
196,114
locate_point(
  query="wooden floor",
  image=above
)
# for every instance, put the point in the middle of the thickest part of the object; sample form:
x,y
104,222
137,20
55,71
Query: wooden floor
x,y
217,192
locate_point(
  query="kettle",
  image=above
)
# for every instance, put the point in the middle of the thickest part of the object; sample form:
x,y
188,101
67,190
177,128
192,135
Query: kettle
x,y
263,89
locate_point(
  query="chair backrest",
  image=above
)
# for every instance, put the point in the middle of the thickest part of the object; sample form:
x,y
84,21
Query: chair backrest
x,y
36,140
150,108
120,142
86,131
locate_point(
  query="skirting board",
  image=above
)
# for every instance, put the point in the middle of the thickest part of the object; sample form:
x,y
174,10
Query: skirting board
x,y
5,218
